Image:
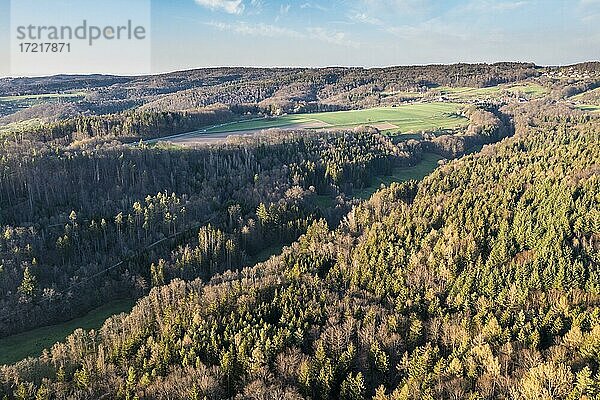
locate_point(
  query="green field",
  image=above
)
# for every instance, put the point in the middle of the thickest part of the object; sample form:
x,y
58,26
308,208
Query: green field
x,y
12,104
261,123
19,102
530,90
426,166
403,94
31,343
405,118
43,96
22,126
589,108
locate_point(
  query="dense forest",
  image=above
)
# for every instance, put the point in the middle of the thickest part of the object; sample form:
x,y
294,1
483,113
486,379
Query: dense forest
x,y
85,219
134,204
480,282
260,271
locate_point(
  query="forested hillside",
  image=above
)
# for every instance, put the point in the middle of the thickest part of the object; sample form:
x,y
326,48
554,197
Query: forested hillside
x,y
240,91
66,108
90,220
480,282
123,208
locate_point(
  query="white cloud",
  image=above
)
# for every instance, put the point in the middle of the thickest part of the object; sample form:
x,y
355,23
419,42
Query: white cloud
x,y
509,5
313,6
229,6
397,6
332,37
316,33
588,11
366,19
591,18
266,30
491,5
433,29
284,9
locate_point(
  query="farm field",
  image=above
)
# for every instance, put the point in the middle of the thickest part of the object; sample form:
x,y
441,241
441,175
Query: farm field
x,y
589,108
588,101
31,343
17,127
589,93
530,90
405,119
43,96
11,104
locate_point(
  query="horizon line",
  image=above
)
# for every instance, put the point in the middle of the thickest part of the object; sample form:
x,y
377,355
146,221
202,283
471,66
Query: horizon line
x,y
232,66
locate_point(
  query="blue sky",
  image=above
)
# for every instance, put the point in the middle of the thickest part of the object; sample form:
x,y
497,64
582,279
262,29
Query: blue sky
x,y
373,32
203,33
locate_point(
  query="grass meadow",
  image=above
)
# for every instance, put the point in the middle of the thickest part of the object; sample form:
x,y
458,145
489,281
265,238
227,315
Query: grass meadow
x,y
405,118
31,343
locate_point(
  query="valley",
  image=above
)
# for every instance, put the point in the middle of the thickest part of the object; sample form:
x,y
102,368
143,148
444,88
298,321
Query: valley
x,y
386,233
31,343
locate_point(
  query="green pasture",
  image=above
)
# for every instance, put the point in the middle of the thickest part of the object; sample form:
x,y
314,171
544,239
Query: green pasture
x,y
427,165
31,343
589,108
43,96
530,90
407,118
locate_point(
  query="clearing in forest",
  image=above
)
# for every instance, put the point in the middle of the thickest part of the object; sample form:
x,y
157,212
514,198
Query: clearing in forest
x,y
589,108
527,90
406,118
403,119
31,343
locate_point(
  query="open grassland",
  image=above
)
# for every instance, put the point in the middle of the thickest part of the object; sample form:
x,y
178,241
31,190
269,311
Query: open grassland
x,y
528,90
404,118
19,102
19,127
589,108
260,123
428,163
12,104
31,343
581,95
403,94
44,96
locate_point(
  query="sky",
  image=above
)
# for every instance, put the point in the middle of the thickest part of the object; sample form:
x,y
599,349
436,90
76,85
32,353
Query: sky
x,y
369,33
